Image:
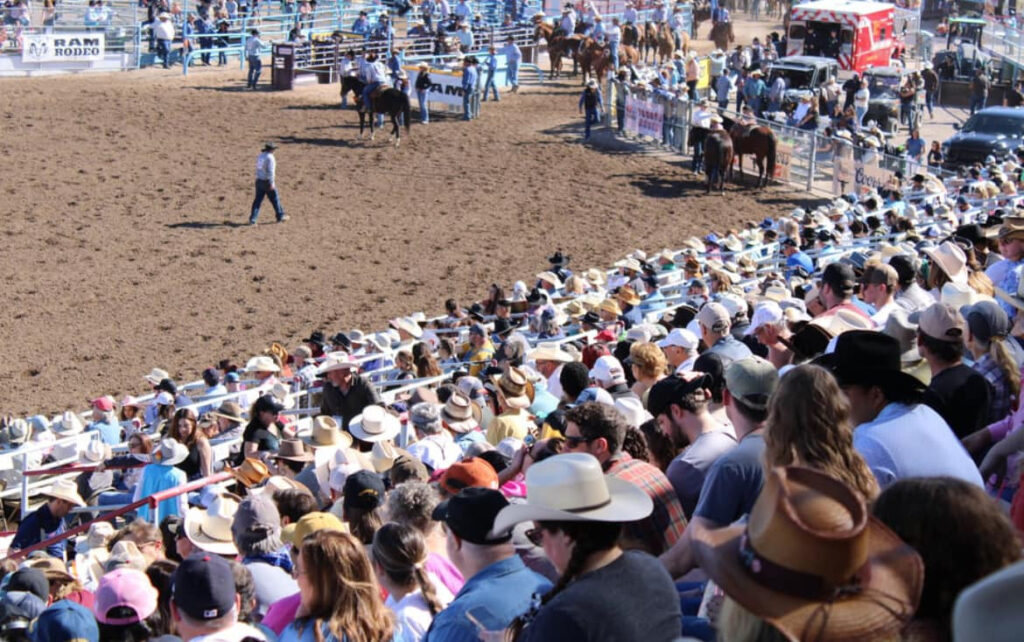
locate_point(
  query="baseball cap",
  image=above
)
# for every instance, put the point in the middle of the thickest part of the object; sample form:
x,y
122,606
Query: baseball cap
x,y
986,320
671,389
124,588
881,274
751,380
943,322
593,393
840,277
363,489
309,524
203,586
105,403
608,370
257,518
67,621
470,515
714,317
681,338
478,329
765,312
905,267
231,377
468,473
30,580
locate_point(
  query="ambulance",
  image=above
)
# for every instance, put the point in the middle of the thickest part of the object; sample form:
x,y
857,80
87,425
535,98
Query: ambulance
x,y
858,34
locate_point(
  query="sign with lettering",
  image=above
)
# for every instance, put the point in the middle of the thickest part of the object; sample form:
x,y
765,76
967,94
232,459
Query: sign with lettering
x,y
63,47
644,117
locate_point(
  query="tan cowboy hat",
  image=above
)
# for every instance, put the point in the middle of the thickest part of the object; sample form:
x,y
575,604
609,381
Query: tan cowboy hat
x,y
231,411
293,450
812,562
262,363
327,433
375,423
575,309
210,529
610,306
252,472
548,352
460,414
408,325
572,487
339,361
156,375
695,244
950,259
550,277
67,490
383,455
595,277
514,388
628,295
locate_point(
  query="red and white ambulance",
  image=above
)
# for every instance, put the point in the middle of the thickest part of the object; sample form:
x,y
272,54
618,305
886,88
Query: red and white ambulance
x,y
858,34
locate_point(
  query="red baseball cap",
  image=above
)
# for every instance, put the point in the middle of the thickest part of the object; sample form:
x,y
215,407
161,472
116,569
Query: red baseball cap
x,y
469,473
105,403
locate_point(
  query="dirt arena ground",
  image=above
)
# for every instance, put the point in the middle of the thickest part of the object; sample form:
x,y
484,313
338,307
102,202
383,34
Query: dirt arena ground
x,y
125,200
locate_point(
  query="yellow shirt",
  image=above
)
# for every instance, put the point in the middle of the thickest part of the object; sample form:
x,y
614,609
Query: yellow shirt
x,y
479,356
512,423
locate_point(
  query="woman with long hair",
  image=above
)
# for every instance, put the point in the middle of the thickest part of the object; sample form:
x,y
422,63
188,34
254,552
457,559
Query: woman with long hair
x,y
262,434
185,428
399,560
809,425
340,596
988,330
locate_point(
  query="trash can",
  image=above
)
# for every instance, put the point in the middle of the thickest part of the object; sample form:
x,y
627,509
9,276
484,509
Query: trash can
x,y
282,63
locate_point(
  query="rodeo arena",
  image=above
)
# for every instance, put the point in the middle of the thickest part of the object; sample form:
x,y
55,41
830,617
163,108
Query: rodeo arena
x,y
525,350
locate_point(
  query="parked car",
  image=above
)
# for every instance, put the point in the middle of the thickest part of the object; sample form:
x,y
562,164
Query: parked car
x,y
803,75
994,131
884,106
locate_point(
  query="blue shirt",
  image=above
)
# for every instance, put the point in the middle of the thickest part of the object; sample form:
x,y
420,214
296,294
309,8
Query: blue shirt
x,y
361,25
109,433
915,147
729,349
798,260
912,441
492,64
39,526
469,77
504,590
512,53
155,478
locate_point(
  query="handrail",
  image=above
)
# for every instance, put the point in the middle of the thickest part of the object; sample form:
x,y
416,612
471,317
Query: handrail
x,y
79,468
152,501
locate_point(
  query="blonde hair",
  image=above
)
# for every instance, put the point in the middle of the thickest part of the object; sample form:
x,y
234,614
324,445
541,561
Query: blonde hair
x,y
997,349
648,359
809,425
981,283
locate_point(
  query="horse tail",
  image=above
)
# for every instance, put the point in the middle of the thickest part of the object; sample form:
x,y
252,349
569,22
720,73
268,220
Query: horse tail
x,y
407,112
771,157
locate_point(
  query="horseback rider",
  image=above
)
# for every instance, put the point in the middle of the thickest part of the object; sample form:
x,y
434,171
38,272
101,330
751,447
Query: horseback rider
x,y
629,14
567,25
614,37
747,118
658,15
374,78
700,121
720,14
678,25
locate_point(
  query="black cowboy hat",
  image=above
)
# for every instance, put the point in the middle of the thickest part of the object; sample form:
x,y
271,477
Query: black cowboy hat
x,y
868,358
502,327
808,342
535,297
558,259
476,311
341,340
591,318
316,337
683,315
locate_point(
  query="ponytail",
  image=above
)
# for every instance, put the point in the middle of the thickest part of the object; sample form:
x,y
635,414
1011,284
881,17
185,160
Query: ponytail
x,y
999,351
427,589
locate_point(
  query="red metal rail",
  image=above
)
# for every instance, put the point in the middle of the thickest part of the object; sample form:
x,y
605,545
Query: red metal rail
x,y
152,501
77,468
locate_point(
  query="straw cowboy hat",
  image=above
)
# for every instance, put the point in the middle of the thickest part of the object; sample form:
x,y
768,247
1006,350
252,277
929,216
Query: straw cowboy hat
x,y
548,352
383,455
628,295
231,411
409,326
172,452
91,551
327,433
575,309
340,361
695,244
610,306
595,277
210,529
812,561
293,450
514,388
262,363
460,414
551,278
156,375
70,424
374,424
252,472
950,259
67,490
572,487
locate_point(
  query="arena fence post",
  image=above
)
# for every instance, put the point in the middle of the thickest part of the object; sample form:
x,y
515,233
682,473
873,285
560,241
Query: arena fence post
x,y
811,154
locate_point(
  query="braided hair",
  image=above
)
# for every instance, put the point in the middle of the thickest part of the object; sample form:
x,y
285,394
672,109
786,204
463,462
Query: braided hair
x,y
401,553
589,538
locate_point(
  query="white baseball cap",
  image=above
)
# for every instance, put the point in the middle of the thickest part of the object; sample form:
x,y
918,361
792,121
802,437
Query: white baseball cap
x,y
765,312
608,371
681,338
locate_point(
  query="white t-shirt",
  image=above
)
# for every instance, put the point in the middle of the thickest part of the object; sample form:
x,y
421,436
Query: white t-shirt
x,y
412,615
861,98
236,633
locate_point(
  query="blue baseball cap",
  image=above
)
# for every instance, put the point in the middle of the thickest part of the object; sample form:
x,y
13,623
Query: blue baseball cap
x,y
65,621
203,587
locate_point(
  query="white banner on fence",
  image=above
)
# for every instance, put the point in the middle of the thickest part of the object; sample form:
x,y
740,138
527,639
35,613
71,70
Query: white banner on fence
x,y
644,117
849,175
63,47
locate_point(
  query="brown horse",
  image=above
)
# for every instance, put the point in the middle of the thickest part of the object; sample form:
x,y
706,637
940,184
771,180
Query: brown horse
x,y
631,35
701,13
666,43
556,44
722,34
627,56
759,141
587,56
717,158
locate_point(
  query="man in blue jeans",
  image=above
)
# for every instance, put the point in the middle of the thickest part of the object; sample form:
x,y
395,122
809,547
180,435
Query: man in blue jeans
x,y
469,80
491,66
513,56
592,101
266,169
253,51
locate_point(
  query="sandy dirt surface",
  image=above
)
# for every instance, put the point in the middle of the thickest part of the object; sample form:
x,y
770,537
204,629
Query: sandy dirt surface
x,y
125,199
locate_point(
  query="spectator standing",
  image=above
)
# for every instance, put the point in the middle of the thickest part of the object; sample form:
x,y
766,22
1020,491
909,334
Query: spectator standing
x,y
469,82
491,68
916,146
700,123
422,86
513,57
163,474
979,90
931,85
861,98
266,184
253,53
163,31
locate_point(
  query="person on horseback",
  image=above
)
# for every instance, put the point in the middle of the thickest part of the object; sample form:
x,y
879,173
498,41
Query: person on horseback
x,y
374,78
720,14
597,31
614,37
629,14
678,25
567,25
700,121
747,118
658,15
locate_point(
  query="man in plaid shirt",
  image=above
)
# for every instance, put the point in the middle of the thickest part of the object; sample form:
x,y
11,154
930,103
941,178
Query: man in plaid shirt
x,y
600,429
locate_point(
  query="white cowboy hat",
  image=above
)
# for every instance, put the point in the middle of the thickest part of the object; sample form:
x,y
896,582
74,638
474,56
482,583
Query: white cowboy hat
x,y
70,424
374,424
327,433
572,487
595,277
172,452
261,363
550,277
67,490
548,352
409,326
95,452
210,529
283,395
18,431
156,375
338,361
383,455
951,259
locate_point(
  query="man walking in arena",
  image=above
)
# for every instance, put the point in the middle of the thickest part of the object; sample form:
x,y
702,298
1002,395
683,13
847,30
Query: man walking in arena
x,y
266,168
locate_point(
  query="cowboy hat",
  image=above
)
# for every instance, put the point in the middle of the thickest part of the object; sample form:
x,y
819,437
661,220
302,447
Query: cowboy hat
x,y
231,411
611,306
375,423
460,414
572,487
252,472
67,490
292,450
172,452
70,424
342,361
17,431
408,326
383,455
628,295
514,388
326,432
595,277
262,363
812,562
210,529
864,357
94,452
950,259
548,352
695,244
283,395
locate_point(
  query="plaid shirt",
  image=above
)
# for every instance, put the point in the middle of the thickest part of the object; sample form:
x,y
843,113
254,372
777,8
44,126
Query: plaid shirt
x,y
666,523
999,406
